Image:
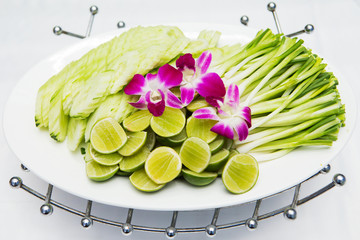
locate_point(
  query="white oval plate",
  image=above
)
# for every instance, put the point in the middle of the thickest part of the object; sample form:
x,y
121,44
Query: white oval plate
x,y
54,163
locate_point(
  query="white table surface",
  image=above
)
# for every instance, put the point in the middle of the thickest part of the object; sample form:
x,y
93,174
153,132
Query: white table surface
x,y
26,37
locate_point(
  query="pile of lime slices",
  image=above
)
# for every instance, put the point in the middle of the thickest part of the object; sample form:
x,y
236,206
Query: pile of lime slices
x,y
153,151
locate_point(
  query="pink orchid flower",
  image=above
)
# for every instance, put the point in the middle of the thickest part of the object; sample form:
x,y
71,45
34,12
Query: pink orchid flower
x,y
154,90
231,116
196,78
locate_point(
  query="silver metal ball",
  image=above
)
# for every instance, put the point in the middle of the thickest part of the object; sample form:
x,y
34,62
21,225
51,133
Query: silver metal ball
x,y
326,169
24,168
290,213
121,24
244,20
46,209
210,230
271,6
309,28
339,180
94,9
127,229
170,232
251,224
86,222
15,182
57,30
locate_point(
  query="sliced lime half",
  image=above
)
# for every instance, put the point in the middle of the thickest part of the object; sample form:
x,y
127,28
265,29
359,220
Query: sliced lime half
x,y
163,165
107,136
201,128
138,121
136,161
105,159
136,140
98,172
217,144
195,154
218,160
240,173
169,124
142,182
199,179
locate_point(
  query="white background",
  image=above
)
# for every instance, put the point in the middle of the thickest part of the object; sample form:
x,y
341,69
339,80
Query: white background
x,y
26,38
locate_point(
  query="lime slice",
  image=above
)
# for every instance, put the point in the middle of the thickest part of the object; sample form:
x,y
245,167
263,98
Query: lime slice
x,y
228,143
220,171
122,173
105,159
201,128
218,160
217,144
177,149
169,124
150,139
199,179
163,165
87,157
233,152
135,141
240,173
195,154
138,121
98,172
178,139
107,136
197,104
136,161
142,182
175,140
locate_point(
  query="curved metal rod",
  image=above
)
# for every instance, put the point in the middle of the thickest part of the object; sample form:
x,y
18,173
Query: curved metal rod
x,y
184,230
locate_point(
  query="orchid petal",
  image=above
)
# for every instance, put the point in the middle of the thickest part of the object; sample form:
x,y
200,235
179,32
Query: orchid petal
x,y
232,97
141,103
210,85
215,101
187,94
203,62
246,115
173,101
169,76
186,62
152,78
223,129
156,108
223,113
241,129
206,113
137,86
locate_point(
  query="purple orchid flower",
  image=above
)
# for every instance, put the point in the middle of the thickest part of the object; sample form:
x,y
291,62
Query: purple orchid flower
x,y
196,77
231,116
154,90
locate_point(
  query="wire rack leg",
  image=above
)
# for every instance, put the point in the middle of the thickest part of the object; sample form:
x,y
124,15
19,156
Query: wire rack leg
x,y
57,30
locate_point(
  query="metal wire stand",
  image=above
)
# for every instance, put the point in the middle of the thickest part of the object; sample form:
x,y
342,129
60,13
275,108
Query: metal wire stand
x,y
127,227
171,231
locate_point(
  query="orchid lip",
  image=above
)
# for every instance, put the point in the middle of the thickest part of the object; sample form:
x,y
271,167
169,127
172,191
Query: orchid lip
x,y
156,108
155,96
154,89
233,120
